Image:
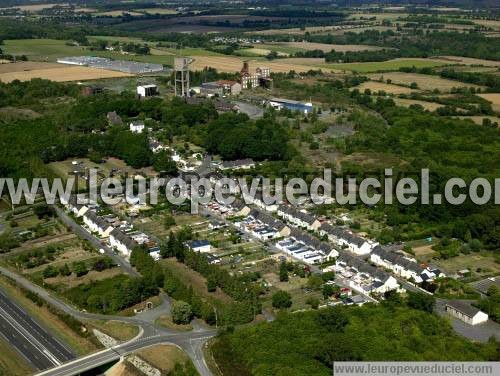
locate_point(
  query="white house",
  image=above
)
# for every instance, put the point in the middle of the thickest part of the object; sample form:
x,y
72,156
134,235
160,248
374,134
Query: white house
x,y
97,224
400,265
137,126
280,228
122,242
465,312
258,200
346,239
154,252
240,208
74,207
364,277
240,164
202,246
147,90
298,218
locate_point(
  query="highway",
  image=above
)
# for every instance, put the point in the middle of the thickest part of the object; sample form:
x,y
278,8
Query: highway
x,y
151,334
40,348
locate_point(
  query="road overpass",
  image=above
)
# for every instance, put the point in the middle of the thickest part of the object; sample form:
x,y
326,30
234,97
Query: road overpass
x,y
151,334
77,366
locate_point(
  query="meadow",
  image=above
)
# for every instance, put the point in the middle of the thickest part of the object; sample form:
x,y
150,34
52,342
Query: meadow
x,y
49,50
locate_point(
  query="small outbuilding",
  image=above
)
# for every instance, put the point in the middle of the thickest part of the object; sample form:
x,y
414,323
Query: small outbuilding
x,y
466,312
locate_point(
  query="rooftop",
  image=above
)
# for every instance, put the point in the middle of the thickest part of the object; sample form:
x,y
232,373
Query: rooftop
x,y
464,307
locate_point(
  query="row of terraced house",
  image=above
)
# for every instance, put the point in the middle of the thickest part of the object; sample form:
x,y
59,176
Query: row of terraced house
x,y
121,236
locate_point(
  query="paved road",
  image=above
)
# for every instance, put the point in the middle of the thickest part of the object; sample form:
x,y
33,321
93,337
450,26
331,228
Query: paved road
x,y
89,362
151,334
253,111
41,349
79,230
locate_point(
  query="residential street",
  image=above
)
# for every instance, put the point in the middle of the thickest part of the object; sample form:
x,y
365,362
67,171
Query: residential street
x,y
79,230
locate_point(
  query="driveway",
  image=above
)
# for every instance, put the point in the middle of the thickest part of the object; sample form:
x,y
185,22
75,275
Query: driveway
x,y
253,112
480,333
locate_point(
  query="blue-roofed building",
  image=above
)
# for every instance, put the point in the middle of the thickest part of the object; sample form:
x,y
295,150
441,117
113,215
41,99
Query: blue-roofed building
x,y
279,103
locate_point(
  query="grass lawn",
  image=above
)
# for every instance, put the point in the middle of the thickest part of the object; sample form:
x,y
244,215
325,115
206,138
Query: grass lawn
x,y
290,50
50,321
294,287
52,49
166,321
390,65
113,38
116,329
163,357
42,49
190,52
481,264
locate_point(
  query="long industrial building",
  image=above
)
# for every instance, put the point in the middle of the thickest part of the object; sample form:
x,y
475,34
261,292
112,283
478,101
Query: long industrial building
x,y
124,66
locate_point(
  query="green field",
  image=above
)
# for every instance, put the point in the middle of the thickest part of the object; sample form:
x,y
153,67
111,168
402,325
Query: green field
x,y
42,49
190,52
113,38
390,65
284,49
51,49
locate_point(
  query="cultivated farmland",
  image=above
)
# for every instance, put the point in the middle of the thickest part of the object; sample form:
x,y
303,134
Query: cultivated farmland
x,y
470,61
59,74
376,86
424,82
431,106
494,98
328,47
233,64
386,66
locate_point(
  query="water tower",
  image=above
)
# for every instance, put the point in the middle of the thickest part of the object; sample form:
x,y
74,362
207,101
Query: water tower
x,y
181,80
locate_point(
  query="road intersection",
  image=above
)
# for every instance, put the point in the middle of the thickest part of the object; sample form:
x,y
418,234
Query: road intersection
x,y
150,334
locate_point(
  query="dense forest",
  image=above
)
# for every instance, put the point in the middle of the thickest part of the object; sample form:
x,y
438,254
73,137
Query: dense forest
x,y
79,128
448,148
307,343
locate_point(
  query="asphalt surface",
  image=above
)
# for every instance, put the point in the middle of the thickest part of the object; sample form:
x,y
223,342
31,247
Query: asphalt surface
x,y
480,333
150,334
184,340
253,111
40,348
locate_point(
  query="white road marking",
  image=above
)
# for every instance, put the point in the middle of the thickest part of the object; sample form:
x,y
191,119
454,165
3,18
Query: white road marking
x,y
24,333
